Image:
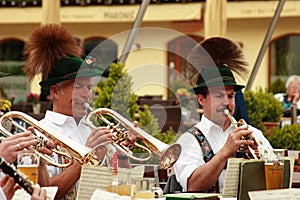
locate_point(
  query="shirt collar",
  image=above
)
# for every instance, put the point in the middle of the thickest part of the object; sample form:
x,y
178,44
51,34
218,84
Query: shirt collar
x,y
207,126
58,118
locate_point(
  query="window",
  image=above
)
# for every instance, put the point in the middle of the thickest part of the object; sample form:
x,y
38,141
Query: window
x,y
284,57
178,50
11,60
11,56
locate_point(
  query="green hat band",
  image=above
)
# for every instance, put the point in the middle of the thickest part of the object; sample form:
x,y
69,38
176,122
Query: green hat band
x,y
216,76
216,80
69,68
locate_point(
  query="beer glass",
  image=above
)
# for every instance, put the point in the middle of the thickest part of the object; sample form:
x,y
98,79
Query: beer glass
x,y
145,189
274,168
28,164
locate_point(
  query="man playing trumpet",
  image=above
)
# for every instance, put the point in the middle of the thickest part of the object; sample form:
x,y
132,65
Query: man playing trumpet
x,y
53,51
212,141
9,149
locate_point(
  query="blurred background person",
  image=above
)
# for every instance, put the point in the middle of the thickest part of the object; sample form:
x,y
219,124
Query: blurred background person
x,y
292,95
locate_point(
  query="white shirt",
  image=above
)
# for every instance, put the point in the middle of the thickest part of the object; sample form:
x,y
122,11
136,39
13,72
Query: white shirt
x,y
191,156
67,126
2,195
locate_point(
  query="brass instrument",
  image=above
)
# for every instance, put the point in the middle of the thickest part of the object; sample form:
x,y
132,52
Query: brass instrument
x,y
168,154
18,176
242,123
75,151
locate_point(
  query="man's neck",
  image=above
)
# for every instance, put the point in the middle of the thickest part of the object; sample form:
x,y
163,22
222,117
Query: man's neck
x,y
77,119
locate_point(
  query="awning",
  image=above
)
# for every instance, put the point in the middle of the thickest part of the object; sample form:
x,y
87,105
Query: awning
x,y
261,9
103,14
161,12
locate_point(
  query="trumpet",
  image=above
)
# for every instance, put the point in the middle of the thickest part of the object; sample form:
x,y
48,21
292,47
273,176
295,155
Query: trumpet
x,y
74,150
256,154
18,176
168,154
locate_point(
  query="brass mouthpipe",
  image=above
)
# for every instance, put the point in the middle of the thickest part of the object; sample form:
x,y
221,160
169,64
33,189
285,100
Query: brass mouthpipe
x,y
242,123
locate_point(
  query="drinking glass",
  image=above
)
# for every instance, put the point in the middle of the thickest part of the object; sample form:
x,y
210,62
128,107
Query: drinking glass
x,y
274,168
145,189
28,164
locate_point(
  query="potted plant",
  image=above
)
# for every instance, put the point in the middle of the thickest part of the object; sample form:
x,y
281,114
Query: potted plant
x,y
287,137
34,99
264,110
5,105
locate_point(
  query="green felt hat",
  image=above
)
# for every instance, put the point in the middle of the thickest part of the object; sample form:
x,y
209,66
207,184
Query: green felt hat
x,y
69,68
216,76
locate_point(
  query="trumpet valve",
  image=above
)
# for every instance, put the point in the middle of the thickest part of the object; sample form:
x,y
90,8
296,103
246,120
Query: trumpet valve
x,y
40,142
242,123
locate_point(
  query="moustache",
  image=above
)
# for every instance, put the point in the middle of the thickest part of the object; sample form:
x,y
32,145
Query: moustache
x,y
222,109
78,101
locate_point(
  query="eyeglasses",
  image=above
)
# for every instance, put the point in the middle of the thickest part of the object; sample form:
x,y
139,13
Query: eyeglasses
x,y
294,87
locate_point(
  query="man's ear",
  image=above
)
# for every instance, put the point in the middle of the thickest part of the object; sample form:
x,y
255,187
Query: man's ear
x,y
201,99
54,91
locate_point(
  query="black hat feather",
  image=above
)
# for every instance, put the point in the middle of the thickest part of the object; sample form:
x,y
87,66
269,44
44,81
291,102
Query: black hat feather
x,y
217,51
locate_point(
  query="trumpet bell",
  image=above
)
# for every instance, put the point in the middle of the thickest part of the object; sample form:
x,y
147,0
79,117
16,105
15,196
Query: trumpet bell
x,y
170,156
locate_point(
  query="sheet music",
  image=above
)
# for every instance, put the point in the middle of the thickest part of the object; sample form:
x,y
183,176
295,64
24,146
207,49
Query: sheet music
x,y
92,178
100,177
23,195
232,176
287,194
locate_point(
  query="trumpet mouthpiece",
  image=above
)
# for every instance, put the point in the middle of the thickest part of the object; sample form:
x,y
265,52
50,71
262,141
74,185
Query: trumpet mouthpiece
x,y
87,106
226,111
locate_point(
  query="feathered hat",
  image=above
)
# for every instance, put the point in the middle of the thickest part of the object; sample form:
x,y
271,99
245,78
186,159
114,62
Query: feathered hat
x,y
53,52
217,52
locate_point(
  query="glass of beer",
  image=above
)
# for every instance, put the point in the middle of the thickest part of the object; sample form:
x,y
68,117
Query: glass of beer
x,y
274,168
145,189
28,164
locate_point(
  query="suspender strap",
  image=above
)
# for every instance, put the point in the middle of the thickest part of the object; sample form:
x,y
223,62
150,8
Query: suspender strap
x,y
207,153
71,193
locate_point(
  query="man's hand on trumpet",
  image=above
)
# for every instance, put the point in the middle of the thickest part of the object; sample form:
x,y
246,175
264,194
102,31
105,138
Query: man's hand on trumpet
x,y
11,146
100,137
132,136
235,141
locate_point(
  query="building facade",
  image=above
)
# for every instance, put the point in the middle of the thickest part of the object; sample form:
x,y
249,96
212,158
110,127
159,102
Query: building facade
x,y
167,33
